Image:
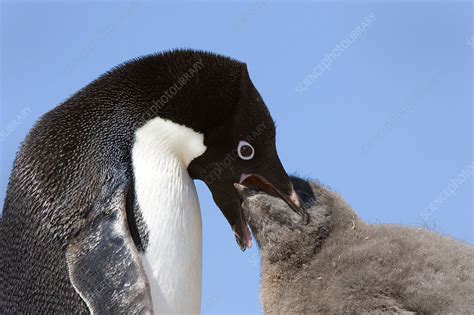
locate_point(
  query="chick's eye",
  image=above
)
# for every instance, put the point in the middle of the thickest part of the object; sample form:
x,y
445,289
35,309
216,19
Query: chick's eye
x,y
245,150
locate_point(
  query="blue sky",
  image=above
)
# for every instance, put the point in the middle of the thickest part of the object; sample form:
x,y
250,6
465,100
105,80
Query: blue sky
x,y
387,124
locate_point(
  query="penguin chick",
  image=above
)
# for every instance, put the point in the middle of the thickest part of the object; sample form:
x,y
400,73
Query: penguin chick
x,y
338,264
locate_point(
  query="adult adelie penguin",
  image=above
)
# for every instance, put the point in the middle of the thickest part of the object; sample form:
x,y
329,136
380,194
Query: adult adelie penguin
x,y
101,213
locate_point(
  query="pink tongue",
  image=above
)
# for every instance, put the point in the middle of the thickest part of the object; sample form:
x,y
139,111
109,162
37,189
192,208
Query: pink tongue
x,y
248,238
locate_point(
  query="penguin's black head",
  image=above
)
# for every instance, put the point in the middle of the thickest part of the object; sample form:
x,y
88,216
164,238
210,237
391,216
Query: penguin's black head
x,y
242,149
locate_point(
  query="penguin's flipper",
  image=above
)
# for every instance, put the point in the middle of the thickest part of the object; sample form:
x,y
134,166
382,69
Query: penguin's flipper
x,y
104,265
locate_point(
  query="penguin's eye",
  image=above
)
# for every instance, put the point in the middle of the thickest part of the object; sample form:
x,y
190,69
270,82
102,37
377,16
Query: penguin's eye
x,y
245,150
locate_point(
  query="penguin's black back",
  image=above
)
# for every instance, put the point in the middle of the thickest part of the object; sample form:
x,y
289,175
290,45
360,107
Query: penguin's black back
x,y
81,148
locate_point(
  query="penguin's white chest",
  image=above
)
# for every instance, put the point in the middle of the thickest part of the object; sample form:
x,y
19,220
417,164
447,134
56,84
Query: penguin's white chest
x,y
169,204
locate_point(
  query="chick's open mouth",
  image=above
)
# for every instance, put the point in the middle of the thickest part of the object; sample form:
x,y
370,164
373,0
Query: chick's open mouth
x,y
254,182
258,183
245,182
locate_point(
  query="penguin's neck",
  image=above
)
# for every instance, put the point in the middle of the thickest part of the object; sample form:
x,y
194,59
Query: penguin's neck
x,y
167,198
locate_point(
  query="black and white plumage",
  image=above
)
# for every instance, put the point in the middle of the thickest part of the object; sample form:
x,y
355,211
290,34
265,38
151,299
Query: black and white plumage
x,y
110,172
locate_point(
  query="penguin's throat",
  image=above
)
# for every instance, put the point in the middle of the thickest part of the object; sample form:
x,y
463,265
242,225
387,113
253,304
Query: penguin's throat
x,y
168,201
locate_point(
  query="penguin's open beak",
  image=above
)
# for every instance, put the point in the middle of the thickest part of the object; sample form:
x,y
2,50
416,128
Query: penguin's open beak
x,y
270,178
258,182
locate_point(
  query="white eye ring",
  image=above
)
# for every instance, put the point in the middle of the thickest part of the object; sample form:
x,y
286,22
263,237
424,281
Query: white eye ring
x,y
246,145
